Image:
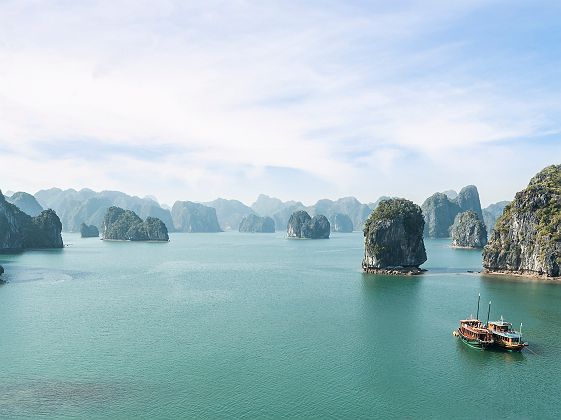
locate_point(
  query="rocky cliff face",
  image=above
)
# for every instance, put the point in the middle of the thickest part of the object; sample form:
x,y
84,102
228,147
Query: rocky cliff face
x,y
527,237
125,225
468,231
194,217
341,223
257,224
393,238
301,225
26,203
18,230
89,231
468,200
439,212
492,212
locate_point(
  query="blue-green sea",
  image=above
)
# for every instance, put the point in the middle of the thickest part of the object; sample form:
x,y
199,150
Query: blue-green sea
x,y
234,325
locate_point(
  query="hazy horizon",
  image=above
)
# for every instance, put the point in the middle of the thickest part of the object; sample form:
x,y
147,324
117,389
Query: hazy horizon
x,y
249,203
296,100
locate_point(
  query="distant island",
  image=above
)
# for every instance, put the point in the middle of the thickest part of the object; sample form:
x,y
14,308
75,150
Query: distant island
x,y
301,225
440,211
527,237
468,231
256,224
125,225
89,231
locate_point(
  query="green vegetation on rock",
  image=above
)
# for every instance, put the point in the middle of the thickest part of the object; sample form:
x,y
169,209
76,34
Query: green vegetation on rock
x,y
18,230
120,224
393,236
468,231
527,237
301,225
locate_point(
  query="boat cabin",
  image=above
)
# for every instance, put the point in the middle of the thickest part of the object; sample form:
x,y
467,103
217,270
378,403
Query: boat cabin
x,y
504,334
475,330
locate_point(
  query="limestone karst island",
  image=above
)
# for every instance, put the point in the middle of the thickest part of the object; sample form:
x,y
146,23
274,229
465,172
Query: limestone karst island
x,y
280,209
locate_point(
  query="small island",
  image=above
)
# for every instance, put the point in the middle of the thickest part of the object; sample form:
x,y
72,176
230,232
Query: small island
x,y
301,225
125,225
89,231
393,239
256,224
468,231
526,239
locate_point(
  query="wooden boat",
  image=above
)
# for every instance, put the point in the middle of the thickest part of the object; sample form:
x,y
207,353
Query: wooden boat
x,y
473,332
505,337
497,334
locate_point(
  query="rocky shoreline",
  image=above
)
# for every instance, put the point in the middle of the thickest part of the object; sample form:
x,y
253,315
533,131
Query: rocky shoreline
x,y
394,271
532,275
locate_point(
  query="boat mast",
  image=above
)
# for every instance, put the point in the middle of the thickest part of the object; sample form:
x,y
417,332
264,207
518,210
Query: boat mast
x,y
488,312
478,299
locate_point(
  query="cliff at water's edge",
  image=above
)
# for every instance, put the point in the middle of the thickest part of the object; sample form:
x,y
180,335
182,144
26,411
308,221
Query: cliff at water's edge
x,y
526,239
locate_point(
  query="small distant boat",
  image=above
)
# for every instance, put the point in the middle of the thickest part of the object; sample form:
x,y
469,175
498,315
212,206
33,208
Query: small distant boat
x,y
505,337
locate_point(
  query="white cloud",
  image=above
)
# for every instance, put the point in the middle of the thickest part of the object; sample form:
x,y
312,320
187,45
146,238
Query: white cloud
x,y
233,88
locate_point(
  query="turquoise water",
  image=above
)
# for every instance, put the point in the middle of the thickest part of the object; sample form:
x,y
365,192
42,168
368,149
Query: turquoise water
x,y
242,325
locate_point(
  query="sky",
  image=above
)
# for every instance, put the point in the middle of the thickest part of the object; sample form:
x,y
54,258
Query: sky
x,y
296,99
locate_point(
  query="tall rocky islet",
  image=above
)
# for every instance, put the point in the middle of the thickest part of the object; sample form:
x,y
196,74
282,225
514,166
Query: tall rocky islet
x,y
89,231
440,211
256,224
301,225
468,231
393,238
527,237
125,225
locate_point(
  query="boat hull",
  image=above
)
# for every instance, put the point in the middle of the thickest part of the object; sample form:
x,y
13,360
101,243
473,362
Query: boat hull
x,y
507,347
473,343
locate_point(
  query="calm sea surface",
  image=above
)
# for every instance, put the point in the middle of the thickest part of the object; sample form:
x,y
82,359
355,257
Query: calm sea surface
x,y
242,325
